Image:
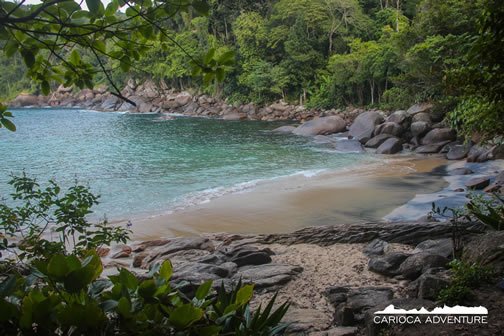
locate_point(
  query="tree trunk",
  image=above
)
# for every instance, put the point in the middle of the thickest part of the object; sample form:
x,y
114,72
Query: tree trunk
x,y
330,43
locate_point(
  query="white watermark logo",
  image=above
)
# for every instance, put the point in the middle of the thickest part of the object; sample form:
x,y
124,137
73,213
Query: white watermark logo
x,y
445,315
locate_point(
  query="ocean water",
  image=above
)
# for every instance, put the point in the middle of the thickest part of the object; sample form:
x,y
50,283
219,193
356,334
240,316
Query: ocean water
x,y
141,165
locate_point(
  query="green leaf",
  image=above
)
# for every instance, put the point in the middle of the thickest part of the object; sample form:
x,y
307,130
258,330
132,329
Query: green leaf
x,y
10,48
80,14
147,289
208,78
166,270
124,307
128,279
28,57
244,294
220,74
57,267
8,285
196,70
111,8
201,7
94,7
99,45
203,290
8,124
226,57
210,331
209,55
185,315
75,57
46,89
125,63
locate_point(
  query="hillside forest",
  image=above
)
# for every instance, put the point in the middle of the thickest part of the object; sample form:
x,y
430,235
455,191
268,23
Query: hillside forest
x,y
320,53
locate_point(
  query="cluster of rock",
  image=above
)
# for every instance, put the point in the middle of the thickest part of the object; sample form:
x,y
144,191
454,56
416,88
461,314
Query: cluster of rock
x,y
229,258
412,130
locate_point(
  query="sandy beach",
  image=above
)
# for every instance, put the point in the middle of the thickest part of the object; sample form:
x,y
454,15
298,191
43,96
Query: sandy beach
x,y
366,193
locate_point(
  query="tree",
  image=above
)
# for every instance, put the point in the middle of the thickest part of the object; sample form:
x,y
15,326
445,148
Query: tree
x,y
49,36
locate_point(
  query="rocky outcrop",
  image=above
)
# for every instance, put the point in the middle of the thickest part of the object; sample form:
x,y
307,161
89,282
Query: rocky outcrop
x,y
326,125
486,249
364,125
390,146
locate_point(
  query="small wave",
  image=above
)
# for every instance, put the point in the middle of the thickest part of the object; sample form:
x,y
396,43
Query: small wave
x,y
207,195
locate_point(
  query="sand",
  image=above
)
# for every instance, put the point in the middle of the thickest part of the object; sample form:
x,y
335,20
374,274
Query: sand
x,y
367,193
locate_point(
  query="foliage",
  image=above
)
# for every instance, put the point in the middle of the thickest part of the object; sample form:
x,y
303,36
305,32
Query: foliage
x,y
63,295
40,211
464,278
488,211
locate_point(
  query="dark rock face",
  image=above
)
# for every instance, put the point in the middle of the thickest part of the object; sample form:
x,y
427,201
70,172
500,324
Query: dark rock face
x,y
376,141
375,248
443,247
497,185
422,116
419,128
390,146
418,263
397,232
431,148
438,135
419,108
363,127
391,128
267,276
458,152
429,284
461,171
477,183
399,117
387,264
178,244
284,129
351,303
486,249
326,125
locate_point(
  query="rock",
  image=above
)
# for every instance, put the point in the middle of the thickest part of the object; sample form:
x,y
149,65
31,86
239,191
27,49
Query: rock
x,y
419,128
388,264
235,116
325,125
247,255
400,117
121,251
419,108
459,190
418,263
139,258
486,249
443,247
461,171
25,100
390,146
102,251
269,276
177,244
338,331
284,129
497,185
183,98
423,117
439,135
347,146
429,284
150,243
376,141
302,320
391,128
411,233
376,247
458,152
282,107
109,103
363,126
498,152
477,183
144,107
431,148
352,302
181,272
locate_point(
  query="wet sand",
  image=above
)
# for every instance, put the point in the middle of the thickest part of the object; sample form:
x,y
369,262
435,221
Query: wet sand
x,y
346,196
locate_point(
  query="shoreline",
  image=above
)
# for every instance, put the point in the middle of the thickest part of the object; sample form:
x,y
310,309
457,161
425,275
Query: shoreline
x,y
291,203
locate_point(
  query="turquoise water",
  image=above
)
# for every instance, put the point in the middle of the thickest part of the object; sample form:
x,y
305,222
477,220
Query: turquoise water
x,y
142,165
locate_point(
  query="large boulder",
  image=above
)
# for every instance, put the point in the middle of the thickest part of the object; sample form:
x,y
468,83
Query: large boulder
x,y
363,127
390,146
109,103
269,276
399,117
419,128
486,249
387,264
431,148
284,129
477,183
347,146
326,125
498,184
438,135
389,127
376,247
25,100
418,263
235,116
419,108
458,152
376,141
425,117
